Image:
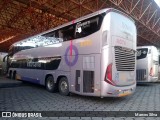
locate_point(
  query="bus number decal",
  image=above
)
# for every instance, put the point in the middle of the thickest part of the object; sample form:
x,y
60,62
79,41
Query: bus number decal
x,y
86,43
33,64
69,61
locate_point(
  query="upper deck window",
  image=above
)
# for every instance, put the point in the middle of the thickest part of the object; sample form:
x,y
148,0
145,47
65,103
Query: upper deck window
x,y
88,26
62,34
77,30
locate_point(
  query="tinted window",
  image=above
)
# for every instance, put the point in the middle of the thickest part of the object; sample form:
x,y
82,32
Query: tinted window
x,y
14,64
77,30
52,63
49,63
142,53
88,26
63,34
53,36
67,33
155,62
15,49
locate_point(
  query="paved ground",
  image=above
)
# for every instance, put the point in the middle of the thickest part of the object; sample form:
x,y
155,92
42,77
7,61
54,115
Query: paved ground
x,y
4,82
29,97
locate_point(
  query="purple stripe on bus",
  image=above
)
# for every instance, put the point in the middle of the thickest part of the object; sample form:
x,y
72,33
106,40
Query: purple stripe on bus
x,y
31,80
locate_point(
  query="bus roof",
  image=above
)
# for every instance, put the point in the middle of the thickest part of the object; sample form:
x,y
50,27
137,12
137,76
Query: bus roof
x,y
148,46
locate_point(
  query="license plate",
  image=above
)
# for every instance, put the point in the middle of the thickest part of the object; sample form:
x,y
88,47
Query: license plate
x,y
125,93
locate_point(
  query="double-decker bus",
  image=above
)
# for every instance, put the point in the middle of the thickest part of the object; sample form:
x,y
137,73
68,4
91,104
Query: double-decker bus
x,y
147,64
94,55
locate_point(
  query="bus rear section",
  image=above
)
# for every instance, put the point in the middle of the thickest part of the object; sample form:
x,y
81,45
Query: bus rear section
x,y
147,64
118,55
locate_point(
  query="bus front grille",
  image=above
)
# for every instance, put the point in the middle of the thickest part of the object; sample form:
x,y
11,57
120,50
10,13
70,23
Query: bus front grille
x,y
124,58
141,74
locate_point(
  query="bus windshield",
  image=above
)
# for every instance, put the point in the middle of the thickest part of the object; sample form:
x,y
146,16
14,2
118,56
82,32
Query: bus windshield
x,y
142,53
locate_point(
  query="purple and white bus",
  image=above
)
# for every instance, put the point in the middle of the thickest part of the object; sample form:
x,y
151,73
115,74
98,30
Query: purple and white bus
x,y
94,55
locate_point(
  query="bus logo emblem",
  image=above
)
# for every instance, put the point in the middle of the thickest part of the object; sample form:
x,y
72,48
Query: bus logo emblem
x,y
69,59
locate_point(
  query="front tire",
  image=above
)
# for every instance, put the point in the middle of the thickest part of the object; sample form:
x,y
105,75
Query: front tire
x,y
63,86
50,85
10,75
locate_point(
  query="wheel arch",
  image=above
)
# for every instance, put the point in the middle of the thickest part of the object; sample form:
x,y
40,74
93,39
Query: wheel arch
x,y
14,74
59,77
47,77
10,73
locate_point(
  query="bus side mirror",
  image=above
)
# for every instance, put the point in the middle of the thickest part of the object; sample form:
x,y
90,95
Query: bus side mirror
x,y
4,59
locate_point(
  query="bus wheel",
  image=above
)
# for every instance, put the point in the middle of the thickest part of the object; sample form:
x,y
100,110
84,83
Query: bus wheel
x,y
50,85
14,76
10,75
63,86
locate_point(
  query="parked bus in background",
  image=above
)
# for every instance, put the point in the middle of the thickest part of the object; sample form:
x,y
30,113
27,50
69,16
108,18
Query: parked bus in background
x,y
94,55
2,64
147,64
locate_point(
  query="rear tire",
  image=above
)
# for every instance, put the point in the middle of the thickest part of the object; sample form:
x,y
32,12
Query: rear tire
x,y
50,85
14,75
10,75
63,86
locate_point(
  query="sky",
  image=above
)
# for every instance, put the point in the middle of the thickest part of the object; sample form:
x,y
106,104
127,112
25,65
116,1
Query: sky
x,y
158,2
